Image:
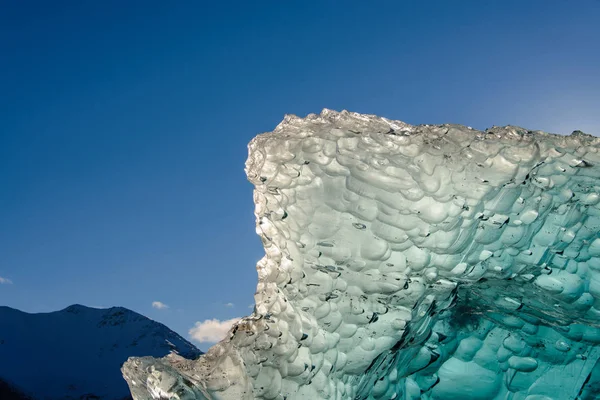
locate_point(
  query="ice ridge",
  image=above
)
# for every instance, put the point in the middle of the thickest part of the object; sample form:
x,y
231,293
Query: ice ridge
x,y
411,262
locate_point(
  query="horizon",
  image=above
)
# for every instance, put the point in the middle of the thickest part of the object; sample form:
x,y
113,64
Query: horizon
x,y
126,127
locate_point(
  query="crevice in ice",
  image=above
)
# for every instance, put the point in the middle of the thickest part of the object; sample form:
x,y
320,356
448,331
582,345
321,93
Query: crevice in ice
x,y
411,262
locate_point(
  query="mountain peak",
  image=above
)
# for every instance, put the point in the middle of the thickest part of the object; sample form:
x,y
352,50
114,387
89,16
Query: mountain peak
x,y
76,308
80,349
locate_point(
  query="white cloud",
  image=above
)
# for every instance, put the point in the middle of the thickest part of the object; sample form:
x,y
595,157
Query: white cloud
x,y
211,330
5,281
159,305
229,305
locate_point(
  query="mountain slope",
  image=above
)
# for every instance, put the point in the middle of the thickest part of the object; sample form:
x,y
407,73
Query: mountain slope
x,y
9,392
78,351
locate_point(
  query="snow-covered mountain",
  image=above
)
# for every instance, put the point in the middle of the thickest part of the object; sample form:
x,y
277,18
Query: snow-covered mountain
x,y
76,353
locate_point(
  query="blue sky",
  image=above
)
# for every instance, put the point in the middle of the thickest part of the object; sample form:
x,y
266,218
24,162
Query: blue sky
x,y
124,125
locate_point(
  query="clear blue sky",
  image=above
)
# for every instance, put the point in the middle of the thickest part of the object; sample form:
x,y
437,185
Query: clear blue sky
x,y
124,124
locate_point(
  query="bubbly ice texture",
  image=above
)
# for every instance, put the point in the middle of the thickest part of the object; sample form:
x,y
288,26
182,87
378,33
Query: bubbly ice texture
x,y
411,262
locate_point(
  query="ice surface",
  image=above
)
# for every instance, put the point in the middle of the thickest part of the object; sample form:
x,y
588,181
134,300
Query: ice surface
x,y
411,262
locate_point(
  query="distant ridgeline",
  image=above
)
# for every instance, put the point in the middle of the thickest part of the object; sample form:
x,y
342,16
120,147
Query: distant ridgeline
x,y
411,262
77,353
9,392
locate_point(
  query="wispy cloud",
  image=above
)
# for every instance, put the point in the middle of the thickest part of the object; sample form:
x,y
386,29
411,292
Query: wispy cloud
x,y
229,305
5,281
211,330
159,305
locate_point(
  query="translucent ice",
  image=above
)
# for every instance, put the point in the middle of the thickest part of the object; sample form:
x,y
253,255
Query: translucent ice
x,y
411,262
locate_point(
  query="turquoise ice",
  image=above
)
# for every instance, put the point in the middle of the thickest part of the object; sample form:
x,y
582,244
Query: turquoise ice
x,y
411,262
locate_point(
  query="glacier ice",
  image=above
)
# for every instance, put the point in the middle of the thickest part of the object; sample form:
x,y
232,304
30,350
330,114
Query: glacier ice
x,y
411,262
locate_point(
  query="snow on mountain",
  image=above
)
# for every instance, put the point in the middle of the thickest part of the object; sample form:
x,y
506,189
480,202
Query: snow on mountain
x,y
76,353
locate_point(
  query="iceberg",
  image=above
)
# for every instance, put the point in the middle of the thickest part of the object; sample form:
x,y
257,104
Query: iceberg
x,y
410,262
